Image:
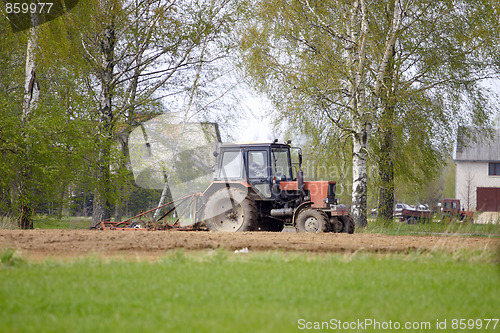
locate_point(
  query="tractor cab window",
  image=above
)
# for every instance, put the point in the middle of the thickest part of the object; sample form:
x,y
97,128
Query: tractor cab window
x,y
280,159
232,165
257,164
450,205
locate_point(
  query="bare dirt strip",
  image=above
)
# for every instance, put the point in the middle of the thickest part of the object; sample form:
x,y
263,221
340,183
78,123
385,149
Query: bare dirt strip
x,y
38,244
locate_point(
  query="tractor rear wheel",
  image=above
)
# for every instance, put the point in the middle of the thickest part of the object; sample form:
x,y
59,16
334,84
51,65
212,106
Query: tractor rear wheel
x,y
311,220
230,210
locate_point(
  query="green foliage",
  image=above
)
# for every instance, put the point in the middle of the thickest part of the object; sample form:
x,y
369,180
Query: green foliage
x,y
44,153
10,258
435,85
7,222
69,142
296,52
448,178
186,291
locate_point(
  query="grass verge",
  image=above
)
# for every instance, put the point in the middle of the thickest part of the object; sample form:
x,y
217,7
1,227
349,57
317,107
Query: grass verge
x,y
432,228
49,222
219,291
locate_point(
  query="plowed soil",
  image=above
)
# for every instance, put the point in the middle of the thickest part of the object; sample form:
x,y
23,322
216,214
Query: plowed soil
x,y
38,244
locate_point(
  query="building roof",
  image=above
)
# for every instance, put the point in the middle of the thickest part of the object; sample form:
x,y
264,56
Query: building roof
x,y
487,149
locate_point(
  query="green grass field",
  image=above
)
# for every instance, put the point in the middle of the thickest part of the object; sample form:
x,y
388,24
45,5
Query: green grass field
x,y
219,291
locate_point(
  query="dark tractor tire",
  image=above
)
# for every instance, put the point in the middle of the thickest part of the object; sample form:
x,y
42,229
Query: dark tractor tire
x,y
310,220
230,210
347,224
137,225
268,224
411,220
335,225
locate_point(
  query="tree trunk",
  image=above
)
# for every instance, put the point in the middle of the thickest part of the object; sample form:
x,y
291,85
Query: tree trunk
x,y
386,173
385,92
102,204
123,138
123,189
356,60
359,178
60,206
102,201
30,101
25,200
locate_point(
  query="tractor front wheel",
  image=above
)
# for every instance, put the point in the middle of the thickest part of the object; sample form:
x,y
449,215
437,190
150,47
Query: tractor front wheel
x,y
347,224
335,225
310,220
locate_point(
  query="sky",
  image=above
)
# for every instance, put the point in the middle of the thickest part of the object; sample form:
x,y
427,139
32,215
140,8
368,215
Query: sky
x,y
258,122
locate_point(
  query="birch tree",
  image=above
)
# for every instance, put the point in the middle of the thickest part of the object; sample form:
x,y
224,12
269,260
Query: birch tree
x,y
37,135
433,82
314,59
138,52
392,76
30,103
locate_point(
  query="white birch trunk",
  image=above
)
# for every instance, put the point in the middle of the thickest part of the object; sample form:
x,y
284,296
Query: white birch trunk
x,y
363,109
31,87
30,102
359,178
356,50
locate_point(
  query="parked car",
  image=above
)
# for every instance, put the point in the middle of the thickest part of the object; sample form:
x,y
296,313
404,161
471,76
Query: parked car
x,y
398,209
422,207
412,214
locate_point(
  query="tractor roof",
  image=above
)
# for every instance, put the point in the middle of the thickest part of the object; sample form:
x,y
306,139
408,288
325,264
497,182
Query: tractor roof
x,y
254,144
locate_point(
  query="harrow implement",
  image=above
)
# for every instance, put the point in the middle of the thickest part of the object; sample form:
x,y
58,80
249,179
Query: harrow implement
x,y
190,213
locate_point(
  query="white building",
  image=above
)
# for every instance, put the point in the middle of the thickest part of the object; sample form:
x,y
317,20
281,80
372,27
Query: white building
x,y
477,177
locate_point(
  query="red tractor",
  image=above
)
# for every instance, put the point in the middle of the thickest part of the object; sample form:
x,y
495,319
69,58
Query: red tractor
x,y
451,209
257,187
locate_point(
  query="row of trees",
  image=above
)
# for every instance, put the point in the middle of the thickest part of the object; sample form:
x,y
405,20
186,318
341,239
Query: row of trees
x,y
384,82
395,78
90,77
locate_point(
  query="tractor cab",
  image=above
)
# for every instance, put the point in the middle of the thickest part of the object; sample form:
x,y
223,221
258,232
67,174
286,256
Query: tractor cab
x,y
451,206
262,165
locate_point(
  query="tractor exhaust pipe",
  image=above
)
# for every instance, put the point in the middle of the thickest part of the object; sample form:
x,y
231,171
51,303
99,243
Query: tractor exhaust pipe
x,y
300,175
282,212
